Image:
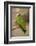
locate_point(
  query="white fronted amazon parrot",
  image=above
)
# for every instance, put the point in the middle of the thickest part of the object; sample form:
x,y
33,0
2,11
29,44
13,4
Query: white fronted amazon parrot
x,y
21,22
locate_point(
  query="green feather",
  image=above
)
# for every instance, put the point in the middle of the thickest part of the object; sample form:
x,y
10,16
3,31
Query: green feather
x,y
21,22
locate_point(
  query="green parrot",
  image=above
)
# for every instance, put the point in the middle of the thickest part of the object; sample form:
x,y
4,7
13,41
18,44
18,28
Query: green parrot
x,y
21,22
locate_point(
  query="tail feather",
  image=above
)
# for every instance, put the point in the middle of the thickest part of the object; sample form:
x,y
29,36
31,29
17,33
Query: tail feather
x,y
22,28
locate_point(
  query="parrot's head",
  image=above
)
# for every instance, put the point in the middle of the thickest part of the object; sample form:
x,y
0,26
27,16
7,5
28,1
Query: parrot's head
x,y
18,15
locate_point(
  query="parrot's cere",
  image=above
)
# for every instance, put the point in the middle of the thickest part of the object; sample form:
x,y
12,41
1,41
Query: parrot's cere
x,y
20,22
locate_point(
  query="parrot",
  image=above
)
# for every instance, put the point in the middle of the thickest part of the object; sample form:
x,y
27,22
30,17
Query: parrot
x,y
21,22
